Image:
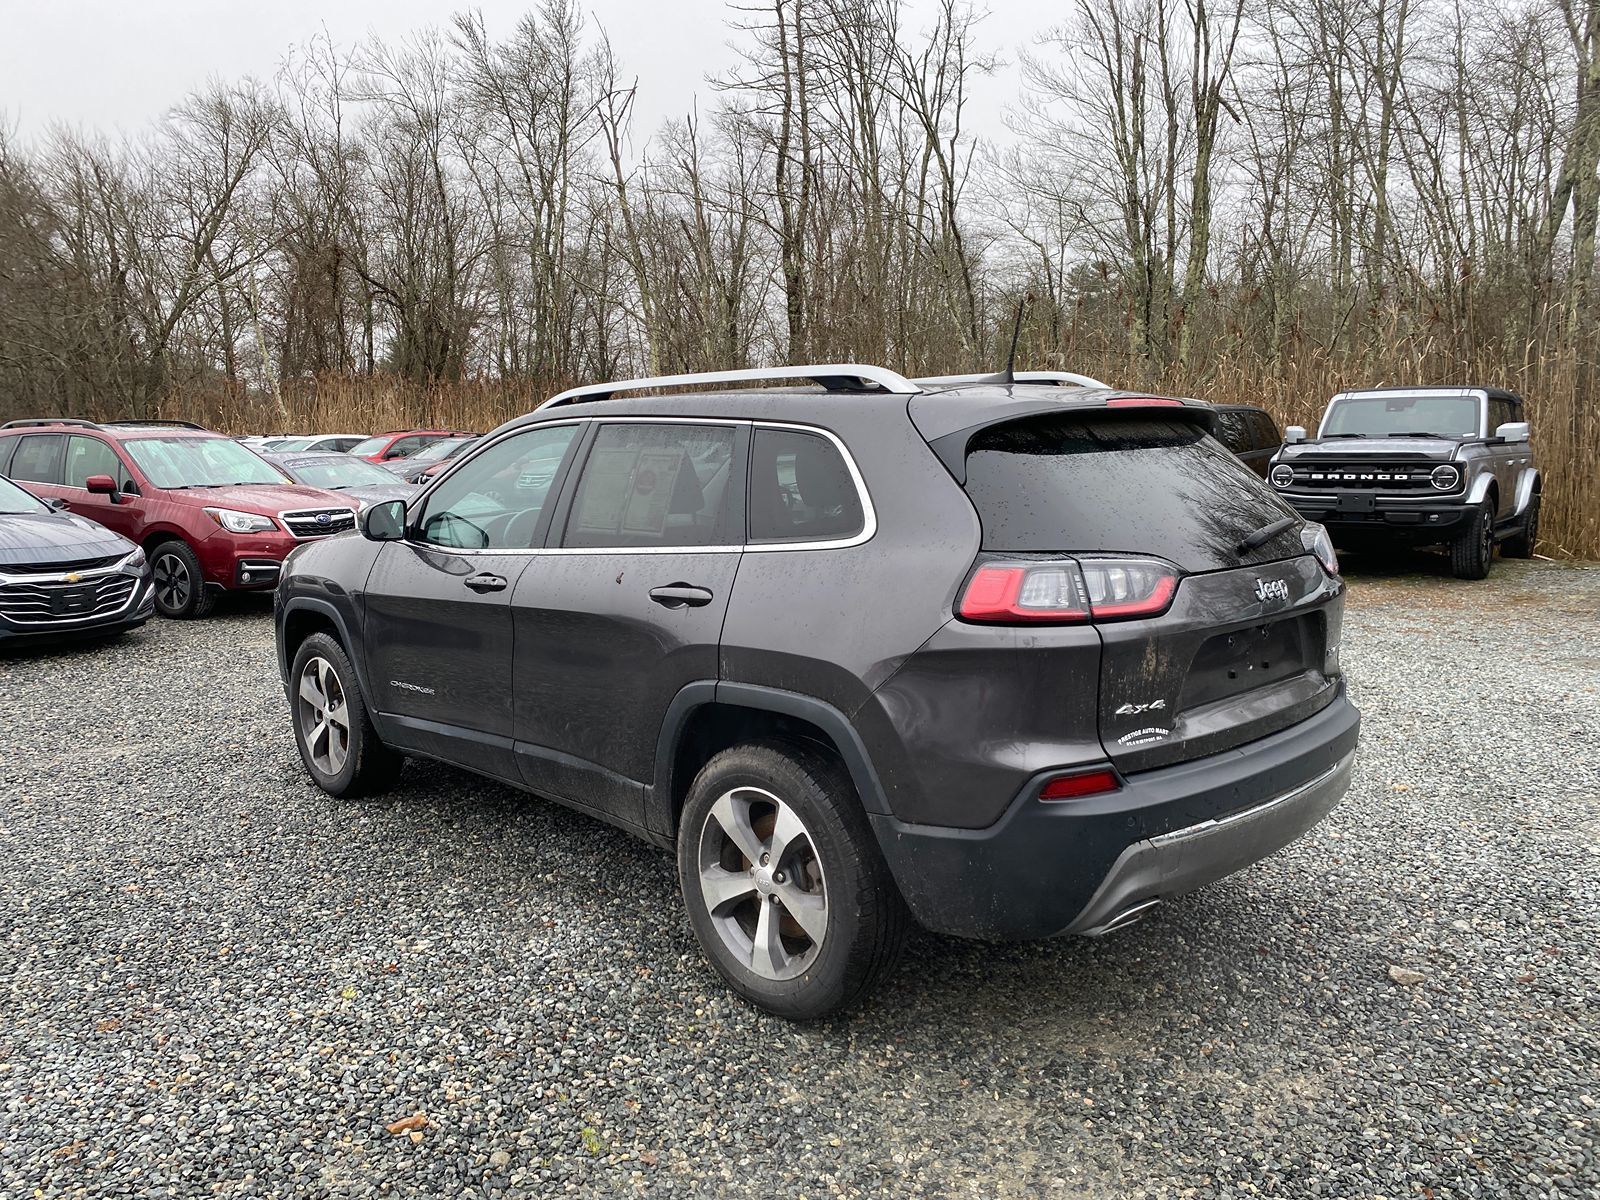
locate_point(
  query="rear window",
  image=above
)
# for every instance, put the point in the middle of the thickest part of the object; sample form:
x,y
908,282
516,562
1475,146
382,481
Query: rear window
x,y
1108,483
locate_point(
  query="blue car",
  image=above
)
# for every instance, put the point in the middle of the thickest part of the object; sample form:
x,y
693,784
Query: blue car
x,y
64,575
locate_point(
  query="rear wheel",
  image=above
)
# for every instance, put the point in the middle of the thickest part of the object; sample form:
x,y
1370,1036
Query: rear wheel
x,y
786,890
332,728
180,589
1472,553
1522,543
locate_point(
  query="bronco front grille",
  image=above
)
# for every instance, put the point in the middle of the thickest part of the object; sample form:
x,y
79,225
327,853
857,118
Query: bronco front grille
x,y
57,603
318,522
1396,476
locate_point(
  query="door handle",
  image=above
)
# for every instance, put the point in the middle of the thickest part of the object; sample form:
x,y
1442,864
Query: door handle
x,y
485,582
681,595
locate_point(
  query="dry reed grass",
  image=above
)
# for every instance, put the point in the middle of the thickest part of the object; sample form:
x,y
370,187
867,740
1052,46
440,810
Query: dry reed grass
x,y
1561,393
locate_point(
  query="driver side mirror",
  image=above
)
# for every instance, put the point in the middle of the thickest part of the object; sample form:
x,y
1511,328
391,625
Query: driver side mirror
x,y
101,485
1513,431
1294,434
385,522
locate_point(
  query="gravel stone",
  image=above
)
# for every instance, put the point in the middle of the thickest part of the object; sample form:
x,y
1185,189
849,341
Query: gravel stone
x,y
217,981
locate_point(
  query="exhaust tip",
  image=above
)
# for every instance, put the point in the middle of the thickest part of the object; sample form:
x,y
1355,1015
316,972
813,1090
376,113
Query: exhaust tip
x,y
1127,916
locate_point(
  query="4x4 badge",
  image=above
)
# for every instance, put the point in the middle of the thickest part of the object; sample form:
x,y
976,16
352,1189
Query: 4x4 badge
x,y
1127,710
1272,589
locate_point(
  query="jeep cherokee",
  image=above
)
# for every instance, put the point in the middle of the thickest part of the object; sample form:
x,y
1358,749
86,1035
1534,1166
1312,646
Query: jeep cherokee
x,y
1417,466
1014,657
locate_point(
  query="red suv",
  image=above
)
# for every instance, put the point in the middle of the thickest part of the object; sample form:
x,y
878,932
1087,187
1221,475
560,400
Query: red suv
x,y
210,514
401,443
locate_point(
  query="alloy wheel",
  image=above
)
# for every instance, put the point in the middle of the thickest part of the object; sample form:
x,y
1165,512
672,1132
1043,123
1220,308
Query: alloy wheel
x,y
763,883
323,717
174,585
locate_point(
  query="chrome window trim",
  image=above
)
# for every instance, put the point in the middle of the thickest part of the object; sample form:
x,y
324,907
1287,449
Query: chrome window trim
x,y
869,512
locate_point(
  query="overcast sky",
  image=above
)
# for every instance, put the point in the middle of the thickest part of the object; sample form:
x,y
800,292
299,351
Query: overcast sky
x,y
116,65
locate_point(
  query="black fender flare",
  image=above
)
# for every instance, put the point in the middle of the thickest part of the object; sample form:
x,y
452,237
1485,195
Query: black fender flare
x,y
324,608
659,815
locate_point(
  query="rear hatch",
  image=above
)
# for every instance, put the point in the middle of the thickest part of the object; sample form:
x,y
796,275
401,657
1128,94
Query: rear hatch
x,y
1208,641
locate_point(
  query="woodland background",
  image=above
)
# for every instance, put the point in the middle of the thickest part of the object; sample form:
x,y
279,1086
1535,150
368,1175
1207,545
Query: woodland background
x,y
1247,200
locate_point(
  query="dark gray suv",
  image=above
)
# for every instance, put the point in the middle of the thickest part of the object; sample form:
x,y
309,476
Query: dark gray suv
x,y
1014,657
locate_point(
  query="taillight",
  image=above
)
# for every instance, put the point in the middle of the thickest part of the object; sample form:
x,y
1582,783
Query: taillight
x,y
1081,783
1068,591
1315,539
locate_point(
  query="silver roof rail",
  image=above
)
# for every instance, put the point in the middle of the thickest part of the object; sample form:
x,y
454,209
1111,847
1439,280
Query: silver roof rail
x,y
1066,377
836,377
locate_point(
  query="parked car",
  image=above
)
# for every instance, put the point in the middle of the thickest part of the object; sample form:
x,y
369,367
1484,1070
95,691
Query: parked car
x,y
338,443
63,575
430,460
1419,466
1251,433
210,514
403,443
270,445
355,478
1010,658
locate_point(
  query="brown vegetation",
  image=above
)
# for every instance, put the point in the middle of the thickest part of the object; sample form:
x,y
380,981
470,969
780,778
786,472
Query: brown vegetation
x,y
1259,201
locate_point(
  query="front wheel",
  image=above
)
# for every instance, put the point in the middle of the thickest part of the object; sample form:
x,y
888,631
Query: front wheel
x,y
786,890
337,742
1472,553
180,589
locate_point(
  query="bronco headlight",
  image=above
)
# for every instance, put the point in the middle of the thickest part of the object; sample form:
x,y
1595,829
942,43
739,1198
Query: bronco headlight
x,y
1281,475
1446,478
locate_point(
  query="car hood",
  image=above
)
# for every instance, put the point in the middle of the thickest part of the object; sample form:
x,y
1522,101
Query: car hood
x,y
377,493
268,499
43,538
1346,449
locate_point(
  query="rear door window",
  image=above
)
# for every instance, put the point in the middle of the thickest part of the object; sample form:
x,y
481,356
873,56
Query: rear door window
x,y
656,486
801,489
38,458
1113,483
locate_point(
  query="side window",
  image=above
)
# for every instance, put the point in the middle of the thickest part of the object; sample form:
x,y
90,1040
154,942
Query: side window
x,y
38,458
88,456
495,499
800,489
7,445
1231,431
1499,414
405,447
656,485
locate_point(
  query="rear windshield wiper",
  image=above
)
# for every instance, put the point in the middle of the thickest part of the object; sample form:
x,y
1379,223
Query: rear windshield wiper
x,y
1264,535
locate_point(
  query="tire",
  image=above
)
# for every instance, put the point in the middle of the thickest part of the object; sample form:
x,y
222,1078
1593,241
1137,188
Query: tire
x,y
347,759
1472,553
1522,543
830,873
180,587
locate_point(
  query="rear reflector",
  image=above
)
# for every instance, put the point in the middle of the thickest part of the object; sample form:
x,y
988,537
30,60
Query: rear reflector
x,y
1143,402
1085,783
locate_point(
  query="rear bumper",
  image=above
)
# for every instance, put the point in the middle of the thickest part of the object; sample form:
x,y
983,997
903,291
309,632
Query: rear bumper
x,y
1083,866
1389,516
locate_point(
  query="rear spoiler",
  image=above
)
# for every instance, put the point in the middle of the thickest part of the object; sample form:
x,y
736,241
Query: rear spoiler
x,y
951,444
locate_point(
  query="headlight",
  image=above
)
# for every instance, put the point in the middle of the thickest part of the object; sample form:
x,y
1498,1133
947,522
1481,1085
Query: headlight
x,y
1282,475
241,522
1446,477
135,562
1315,539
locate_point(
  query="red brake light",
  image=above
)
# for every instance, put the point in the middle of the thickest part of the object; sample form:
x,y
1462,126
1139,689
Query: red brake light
x,y
1143,402
1085,783
1010,592
1068,591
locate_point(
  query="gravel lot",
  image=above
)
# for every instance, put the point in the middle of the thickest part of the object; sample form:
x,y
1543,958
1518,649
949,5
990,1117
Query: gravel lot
x,y
215,980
